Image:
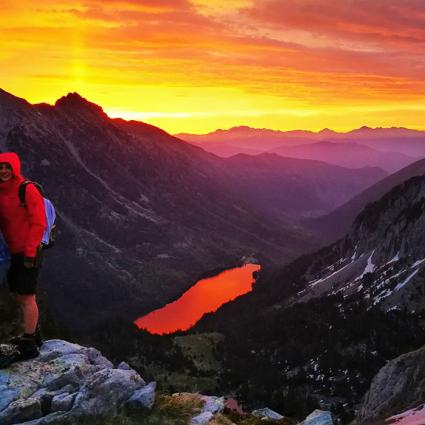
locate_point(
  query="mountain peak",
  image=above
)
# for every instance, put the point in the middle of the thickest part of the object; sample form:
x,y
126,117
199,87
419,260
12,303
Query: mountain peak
x,y
75,101
9,99
364,128
326,132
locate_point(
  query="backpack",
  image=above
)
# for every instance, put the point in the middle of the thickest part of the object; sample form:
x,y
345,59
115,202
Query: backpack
x,y
49,235
4,250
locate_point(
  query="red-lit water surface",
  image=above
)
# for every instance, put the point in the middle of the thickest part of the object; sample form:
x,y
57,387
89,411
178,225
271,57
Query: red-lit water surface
x,y
205,296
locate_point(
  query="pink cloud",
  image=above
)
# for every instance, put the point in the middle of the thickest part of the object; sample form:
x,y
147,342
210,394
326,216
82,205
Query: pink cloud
x,y
385,22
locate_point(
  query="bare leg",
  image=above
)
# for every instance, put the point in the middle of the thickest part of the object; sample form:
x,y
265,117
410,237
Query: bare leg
x,y
29,309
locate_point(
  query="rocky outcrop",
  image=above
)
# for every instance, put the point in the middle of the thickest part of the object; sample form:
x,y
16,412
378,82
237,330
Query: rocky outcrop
x,y
265,413
68,383
398,386
318,417
211,406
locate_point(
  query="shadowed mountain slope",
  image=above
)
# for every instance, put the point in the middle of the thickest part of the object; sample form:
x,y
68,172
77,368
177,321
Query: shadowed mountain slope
x,y
351,155
332,226
143,214
317,331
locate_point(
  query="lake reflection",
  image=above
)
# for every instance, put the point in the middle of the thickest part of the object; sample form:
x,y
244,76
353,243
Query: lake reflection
x,y
205,296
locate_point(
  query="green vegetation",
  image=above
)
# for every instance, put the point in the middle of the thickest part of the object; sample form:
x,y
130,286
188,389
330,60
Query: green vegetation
x,y
202,350
168,410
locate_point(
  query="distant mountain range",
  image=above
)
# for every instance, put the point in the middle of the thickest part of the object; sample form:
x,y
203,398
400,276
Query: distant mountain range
x,y
388,148
143,215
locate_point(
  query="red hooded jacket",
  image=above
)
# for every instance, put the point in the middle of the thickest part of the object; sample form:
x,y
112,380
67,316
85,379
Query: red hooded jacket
x,y
22,227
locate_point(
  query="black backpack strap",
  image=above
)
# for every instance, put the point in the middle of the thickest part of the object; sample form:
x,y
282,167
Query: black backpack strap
x,y
23,189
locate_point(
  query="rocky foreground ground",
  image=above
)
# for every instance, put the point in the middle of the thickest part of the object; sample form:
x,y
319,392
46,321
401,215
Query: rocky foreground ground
x,y
68,384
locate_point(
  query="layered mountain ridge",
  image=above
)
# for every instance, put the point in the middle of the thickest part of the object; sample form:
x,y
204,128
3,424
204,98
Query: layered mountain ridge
x,y
143,215
389,148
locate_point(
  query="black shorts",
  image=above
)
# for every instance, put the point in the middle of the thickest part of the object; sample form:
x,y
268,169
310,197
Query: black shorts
x,y
21,280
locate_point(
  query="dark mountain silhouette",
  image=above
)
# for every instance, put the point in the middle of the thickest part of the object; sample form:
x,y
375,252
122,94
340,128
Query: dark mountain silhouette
x,y
143,214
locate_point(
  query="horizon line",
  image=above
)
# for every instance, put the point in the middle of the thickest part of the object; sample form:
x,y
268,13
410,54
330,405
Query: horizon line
x,y
122,115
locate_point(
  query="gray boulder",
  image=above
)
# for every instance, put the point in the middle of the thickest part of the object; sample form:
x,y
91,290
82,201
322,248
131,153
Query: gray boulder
x,y
124,366
318,417
106,391
143,398
7,396
56,418
62,402
201,419
212,404
68,384
21,410
398,386
266,413
96,358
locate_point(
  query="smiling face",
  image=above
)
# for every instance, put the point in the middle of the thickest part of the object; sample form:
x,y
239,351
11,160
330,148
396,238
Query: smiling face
x,y
5,172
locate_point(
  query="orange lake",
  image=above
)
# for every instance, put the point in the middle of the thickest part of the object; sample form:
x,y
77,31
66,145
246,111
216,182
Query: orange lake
x,y
205,296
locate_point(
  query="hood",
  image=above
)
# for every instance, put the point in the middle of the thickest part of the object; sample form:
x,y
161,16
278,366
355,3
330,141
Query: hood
x,y
13,159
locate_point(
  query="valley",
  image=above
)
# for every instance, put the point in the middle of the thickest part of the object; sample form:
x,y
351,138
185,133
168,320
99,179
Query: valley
x,y
143,216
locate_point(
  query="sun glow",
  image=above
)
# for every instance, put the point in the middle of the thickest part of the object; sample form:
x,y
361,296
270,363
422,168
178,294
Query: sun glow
x,y
194,66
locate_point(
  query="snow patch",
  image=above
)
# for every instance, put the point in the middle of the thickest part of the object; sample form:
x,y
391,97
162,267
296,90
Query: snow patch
x,y
381,296
315,282
396,307
370,267
409,417
400,285
394,259
355,253
418,262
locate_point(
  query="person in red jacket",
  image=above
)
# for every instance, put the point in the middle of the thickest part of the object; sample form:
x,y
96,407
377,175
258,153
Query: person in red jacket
x,y
22,228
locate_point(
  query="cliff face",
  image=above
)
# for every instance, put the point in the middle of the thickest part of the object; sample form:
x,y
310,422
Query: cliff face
x,y
398,386
381,259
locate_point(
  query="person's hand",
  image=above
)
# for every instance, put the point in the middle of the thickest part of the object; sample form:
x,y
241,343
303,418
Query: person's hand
x,y
29,262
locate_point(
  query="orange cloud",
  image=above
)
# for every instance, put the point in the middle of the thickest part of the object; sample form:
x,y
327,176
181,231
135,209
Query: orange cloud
x,y
253,60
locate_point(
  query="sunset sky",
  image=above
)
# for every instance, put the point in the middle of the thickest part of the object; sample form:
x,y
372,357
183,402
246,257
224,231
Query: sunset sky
x,y
198,65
